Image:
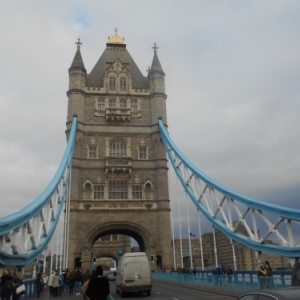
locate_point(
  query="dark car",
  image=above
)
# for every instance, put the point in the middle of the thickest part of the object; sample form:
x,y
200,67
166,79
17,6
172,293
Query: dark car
x,y
288,293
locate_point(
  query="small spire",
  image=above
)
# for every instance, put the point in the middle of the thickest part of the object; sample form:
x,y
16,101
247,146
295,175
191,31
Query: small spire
x,y
77,61
156,66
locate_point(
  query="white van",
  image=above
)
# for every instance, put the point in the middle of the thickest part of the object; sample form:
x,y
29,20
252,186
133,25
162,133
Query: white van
x,y
134,274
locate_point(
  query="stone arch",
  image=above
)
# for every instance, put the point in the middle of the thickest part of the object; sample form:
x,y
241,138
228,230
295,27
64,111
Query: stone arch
x,y
139,233
136,231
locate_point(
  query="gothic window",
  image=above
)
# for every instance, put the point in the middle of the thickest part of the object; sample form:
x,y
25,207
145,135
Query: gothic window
x,y
134,106
142,153
112,83
118,189
112,103
101,104
118,149
123,104
137,192
123,84
114,237
98,192
92,152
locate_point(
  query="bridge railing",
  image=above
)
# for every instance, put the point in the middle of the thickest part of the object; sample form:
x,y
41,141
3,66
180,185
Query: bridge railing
x,y
240,281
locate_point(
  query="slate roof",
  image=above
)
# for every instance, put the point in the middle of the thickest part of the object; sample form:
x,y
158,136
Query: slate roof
x,y
109,56
77,61
156,66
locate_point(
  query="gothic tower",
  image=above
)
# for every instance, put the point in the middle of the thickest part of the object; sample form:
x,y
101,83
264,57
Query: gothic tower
x,y
119,179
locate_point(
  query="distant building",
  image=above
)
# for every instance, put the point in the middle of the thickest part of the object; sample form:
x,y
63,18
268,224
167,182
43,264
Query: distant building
x,y
245,257
207,248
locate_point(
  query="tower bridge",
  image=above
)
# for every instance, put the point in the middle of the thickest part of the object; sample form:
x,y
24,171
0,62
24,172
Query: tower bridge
x,y
113,178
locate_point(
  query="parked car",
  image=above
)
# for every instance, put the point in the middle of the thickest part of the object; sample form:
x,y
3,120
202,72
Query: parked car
x,y
288,293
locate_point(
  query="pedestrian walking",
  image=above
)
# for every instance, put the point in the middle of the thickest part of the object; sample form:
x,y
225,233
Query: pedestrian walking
x,y
98,287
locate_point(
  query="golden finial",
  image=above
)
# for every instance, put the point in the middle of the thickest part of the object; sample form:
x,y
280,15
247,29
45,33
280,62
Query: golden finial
x,y
116,39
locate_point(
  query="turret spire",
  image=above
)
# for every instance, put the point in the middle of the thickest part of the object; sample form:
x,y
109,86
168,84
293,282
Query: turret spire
x,y
156,66
77,61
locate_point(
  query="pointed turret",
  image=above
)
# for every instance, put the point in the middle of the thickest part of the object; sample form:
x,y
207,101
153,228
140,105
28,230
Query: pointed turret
x,y
77,78
156,77
78,61
156,66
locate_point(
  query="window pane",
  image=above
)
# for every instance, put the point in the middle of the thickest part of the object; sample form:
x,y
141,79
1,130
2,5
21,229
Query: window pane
x,y
123,84
101,104
123,104
105,238
118,189
134,105
92,152
112,103
142,153
137,192
118,149
98,192
112,83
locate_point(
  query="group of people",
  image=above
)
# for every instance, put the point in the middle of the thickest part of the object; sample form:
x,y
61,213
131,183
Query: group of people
x,y
222,271
264,274
74,282
9,284
58,283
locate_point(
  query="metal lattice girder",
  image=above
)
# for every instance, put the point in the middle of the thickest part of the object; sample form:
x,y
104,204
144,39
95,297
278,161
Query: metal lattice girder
x,y
25,234
261,222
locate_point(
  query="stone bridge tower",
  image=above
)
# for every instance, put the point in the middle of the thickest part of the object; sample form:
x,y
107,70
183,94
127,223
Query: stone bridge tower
x,y
119,179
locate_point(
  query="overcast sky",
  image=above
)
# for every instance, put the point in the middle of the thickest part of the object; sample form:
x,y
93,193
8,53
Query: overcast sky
x,y
232,80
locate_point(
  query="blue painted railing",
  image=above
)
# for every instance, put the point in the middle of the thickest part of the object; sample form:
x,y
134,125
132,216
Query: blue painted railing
x,y
240,281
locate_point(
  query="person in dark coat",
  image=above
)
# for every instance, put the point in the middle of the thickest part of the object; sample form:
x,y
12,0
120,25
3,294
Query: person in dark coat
x,y
39,284
98,288
5,292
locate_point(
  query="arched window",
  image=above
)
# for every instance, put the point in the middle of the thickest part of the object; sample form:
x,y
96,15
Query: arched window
x,y
112,83
118,149
123,84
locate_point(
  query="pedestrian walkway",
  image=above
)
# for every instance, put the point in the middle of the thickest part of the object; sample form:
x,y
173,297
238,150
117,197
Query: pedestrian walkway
x,y
64,296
